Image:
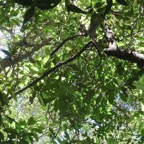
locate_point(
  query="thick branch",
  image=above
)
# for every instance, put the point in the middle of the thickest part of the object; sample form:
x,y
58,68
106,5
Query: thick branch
x,y
6,62
60,64
129,55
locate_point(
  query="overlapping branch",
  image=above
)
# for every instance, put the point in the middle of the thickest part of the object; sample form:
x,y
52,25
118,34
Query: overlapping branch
x,y
131,56
57,66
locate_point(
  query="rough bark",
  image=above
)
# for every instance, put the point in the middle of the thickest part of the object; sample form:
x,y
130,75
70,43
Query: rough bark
x,y
128,55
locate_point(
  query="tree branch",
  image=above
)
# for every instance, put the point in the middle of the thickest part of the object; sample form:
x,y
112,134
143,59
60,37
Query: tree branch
x,y
8,61
129,55
65,40
121,110
58,65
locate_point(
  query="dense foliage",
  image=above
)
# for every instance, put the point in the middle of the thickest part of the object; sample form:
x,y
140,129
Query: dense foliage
x,y
58,83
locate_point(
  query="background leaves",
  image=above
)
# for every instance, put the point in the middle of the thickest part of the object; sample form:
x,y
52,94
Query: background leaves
x,y
91,99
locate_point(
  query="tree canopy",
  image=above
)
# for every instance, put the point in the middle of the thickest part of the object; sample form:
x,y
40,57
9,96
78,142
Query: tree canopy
x,y
71,71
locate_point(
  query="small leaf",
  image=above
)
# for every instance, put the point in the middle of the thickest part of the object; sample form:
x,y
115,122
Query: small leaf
x,y
6,52
22,122
51,130
31,121
1,76
10,130
120,69
31,99
122,2
36,136
44,61
140,39
3,98
111,96
141,126
10,119
35,68
28,15
124,97
98,99
39,130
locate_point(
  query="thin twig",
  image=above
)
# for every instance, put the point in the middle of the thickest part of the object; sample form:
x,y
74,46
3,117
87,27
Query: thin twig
x,y
60,121
65,40
121,111
134,25
99,53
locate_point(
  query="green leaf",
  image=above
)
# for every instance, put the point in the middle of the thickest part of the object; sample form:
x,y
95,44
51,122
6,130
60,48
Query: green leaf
x,y
36,136
122,2
31,121
28,15
111,95
3,98
6,52
10,130
33,69
31,99
16,22
10,119
98,99
141,126
1,75
39,130
124,94
47,51
44,61
123,97
140,39
52,131
56,105
22,122
120,69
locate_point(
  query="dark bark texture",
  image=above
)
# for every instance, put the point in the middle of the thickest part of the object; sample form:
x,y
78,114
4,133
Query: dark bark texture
x,y
129,55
